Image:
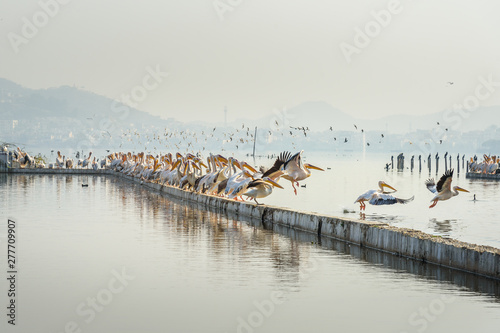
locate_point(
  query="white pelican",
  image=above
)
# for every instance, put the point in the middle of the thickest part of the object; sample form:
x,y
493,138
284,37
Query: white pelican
x,y
94,164
493,165
59,160
295,170
443,189
85,162
372,194
260,188
239,185
228,171
291,168
233,182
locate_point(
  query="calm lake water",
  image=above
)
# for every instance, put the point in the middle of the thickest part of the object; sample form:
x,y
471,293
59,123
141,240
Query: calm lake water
x,y
114,257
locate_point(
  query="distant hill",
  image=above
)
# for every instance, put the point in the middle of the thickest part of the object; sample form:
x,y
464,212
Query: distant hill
x,y
17,102
78,119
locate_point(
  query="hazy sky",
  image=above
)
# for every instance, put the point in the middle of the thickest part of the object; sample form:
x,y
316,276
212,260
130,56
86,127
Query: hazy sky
x,y
259,55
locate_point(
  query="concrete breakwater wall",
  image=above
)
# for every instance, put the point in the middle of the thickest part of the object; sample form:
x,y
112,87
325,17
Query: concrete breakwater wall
x,y
482,260
475,175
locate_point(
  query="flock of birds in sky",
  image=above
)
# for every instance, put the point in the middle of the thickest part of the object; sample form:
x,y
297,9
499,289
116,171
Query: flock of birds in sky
x,y
238,138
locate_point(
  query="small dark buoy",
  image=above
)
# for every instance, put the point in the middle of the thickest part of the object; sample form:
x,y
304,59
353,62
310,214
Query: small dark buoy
x,y
328,168
85,185
474,198
303,185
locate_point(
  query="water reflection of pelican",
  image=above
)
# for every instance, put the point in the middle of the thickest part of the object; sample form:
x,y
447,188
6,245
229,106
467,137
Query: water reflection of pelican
x,y
443,227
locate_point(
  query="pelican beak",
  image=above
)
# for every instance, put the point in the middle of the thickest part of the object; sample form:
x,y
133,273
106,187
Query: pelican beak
x,y
461,189
310,166
248,174
389,186
272,182
221,158
249,167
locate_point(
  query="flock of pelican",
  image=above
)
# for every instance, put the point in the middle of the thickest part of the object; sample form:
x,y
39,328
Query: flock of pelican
x,y
489,165
234,179
221,176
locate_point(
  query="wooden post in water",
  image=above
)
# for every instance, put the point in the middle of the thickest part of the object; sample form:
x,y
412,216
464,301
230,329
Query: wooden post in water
x,y
419,163
445,161
392,162
463,160
254,140
412,163
429,163
437,163
458,163
450,162
401,162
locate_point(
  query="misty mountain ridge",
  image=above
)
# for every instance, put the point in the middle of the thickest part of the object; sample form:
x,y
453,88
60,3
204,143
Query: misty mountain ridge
x,y
18,102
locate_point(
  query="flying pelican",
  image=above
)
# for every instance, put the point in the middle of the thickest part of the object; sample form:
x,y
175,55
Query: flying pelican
x,y
374,194
443,189
295,170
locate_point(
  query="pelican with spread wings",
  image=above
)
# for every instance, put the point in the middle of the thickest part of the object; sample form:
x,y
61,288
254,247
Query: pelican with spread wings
x,y
380,197
443,189
291,168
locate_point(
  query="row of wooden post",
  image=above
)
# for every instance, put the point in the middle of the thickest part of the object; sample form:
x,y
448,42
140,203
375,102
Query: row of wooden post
x,y
400,165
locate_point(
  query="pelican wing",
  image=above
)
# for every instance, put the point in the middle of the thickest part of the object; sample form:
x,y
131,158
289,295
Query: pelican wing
x,y
387,199
431,185
444,182
256,183
365,196
274,171
290,160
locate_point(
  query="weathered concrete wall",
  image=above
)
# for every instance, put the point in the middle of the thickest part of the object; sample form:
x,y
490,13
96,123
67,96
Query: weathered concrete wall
x,y
482,260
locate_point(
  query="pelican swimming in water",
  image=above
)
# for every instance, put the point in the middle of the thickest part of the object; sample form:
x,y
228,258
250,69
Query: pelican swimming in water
x,y
443,189
380,196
